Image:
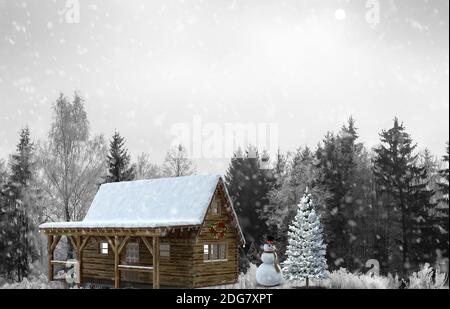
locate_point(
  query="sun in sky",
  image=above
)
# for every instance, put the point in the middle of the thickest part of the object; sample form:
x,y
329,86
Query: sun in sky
x,y
340,14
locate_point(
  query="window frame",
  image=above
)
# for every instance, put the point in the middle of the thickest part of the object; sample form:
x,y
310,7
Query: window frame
x,y
102,248
212,252
165,250
135,259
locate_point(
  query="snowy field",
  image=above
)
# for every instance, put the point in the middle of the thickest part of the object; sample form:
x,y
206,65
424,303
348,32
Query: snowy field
x,y
341,279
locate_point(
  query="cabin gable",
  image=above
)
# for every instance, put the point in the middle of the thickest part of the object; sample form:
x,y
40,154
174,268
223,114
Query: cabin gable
x,y
216,249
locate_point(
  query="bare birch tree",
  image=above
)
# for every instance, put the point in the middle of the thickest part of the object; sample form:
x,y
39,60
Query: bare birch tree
x,y
177,162
71,162
145,169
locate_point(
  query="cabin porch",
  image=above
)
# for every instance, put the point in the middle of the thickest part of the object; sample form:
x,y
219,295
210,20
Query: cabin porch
x,y
111,261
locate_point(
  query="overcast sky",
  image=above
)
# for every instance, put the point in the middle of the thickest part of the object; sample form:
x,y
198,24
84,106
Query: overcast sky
x,y
306,66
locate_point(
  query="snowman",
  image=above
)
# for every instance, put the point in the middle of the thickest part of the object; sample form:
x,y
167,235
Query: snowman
x,y
269,272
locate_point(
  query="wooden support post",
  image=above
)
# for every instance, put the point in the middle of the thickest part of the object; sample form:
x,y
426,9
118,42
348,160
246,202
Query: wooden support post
x,y
156,262
52,242
50,257
81,244
116,263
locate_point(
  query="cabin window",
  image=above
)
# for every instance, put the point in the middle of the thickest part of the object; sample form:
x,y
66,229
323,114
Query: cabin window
x,y
215,207
132,253
164,250
215,252
104,248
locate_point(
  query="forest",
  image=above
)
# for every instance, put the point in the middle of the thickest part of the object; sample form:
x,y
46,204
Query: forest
x,y
389,202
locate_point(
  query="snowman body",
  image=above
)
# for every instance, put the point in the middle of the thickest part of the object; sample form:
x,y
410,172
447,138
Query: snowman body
x,y
267,274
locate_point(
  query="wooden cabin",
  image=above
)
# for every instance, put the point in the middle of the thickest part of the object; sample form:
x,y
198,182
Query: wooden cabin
x,y
170,232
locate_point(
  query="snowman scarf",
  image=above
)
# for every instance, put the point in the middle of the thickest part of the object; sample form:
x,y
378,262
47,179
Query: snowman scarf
x,y
276,260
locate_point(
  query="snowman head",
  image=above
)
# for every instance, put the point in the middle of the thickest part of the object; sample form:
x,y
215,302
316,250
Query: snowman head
x,y
269,245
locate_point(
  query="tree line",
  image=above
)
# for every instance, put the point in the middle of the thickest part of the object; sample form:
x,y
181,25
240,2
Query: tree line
x,y
56,179
389,203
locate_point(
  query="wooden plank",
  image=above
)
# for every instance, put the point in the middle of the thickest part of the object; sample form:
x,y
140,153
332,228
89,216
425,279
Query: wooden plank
x,y
136,268
56,262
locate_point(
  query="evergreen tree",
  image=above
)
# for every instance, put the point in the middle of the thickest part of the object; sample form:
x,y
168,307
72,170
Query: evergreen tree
x,y
306,250
445,177
362,227
3,218
3,173
431,165
283,197
248,188
279,169
18,228
119,161
337,165
235,183
404,183
443,206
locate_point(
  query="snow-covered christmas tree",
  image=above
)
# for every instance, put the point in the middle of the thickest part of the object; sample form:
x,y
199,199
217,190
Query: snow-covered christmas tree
x,y
306,250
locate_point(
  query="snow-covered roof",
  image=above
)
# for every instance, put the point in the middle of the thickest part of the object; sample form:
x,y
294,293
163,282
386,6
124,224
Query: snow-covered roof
x,y
176,201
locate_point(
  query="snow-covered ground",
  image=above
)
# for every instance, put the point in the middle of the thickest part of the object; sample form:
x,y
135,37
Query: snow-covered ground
x,y
340,279
39,282
343,279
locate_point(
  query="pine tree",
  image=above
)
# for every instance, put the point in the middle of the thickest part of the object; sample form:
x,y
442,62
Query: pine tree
x,y
3,173
443,206
119,161
235,185
279,169
3,218
20,195
336,160
283,197
403,183
445,177
306,250
248,187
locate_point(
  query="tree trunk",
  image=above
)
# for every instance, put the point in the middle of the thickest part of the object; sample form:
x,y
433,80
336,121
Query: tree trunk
x,y
69,243
405,244
307,282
